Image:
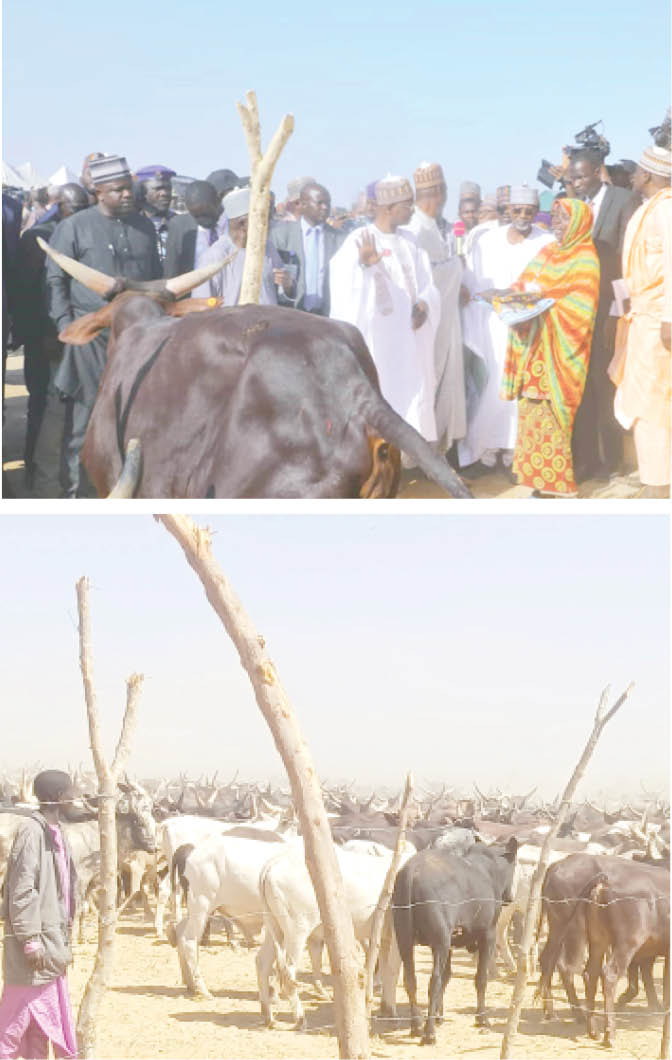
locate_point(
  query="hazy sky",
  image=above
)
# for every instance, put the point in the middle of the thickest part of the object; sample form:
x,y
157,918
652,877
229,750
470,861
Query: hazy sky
x,y
469,648
486,87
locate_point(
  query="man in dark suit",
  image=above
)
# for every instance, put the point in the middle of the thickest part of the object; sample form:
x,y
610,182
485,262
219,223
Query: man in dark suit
x,y
190,234
597,443
309,244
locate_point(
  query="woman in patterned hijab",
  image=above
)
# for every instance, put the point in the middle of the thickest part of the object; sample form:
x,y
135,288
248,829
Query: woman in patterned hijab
x,y
547,357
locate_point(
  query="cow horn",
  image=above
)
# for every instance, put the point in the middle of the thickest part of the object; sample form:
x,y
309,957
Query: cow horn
x,y
104,285
130,472
180,285
96,281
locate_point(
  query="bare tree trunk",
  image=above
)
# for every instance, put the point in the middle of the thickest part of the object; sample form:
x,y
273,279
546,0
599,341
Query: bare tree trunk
x,y
351,1024
386,893
602,716
107,791
261,172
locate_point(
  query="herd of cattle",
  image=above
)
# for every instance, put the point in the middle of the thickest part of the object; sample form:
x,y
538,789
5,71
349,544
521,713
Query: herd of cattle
x,y
196,849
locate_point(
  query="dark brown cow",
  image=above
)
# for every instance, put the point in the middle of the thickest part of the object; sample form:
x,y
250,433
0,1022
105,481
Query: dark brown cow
x,y
609,905
249,401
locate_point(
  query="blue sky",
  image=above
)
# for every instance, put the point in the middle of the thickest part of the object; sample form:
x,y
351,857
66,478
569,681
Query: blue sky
x,y
485,88
467,649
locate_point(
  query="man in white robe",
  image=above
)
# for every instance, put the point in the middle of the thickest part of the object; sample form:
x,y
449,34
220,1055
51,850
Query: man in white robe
x,y
499,257
432,235
381,281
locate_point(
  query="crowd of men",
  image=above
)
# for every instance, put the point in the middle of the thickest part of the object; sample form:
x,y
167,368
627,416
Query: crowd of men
x,y
394,266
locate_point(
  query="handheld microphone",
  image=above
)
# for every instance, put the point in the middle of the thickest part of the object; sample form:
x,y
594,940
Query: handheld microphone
x,y
459,232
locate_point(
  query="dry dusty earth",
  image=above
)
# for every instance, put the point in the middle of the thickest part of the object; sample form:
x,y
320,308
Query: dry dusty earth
x,y
146,1013
412,486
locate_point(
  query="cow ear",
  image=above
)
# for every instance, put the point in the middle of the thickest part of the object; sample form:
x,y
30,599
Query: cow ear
x,y
85,328
190,305
512,848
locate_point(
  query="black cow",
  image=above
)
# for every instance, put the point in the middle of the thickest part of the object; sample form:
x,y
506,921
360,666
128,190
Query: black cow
x,y
443,900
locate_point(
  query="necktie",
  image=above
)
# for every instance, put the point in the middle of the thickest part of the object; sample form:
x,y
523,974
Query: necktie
x,y
212,238
313,272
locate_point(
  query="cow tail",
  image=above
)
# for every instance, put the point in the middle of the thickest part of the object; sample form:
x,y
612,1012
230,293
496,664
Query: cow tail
x,y
272,926
402,914
390,426
594,889
174,871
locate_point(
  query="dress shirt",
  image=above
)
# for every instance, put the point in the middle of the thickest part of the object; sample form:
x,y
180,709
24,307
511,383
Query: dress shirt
x,y
203,236
313,244
596,201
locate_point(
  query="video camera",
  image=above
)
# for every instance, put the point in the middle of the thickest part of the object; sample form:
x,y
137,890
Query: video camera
x,y
661,134
586,139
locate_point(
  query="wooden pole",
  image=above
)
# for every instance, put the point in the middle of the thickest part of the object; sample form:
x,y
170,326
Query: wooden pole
x,y
351,1023
261,172
602,716
107,792
386,894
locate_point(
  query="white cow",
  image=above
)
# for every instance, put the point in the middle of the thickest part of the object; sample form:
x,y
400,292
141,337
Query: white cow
x,y
173,833
222,873
292,917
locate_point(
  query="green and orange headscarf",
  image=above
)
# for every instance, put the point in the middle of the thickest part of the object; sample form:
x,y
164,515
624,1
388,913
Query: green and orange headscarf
x,y
569,272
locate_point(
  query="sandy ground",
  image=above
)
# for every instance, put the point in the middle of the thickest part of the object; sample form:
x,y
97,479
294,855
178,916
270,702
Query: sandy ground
x,y
147,1014
495,485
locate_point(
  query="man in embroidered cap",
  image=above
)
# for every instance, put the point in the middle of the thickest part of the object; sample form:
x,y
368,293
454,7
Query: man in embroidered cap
x,y
227,283
503,197
431,233
498,259
487,219
112,237
470,203
38,908
641,365
597,441
85,178
156,194
381,281
488,210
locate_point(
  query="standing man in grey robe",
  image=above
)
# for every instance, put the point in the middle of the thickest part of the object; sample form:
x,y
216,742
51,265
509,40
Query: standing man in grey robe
x,y
113,238
227,283
432,234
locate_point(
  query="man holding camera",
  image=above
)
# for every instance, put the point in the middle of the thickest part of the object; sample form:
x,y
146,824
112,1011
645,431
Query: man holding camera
x,y
597,443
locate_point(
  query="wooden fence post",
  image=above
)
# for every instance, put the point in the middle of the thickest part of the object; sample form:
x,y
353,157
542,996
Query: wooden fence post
x,y
261,172
386,893
602,716
108,776
351,1023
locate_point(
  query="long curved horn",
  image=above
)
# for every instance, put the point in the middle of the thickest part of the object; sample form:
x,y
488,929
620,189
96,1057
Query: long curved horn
x,y
104,285
130,472
96,281
180,285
